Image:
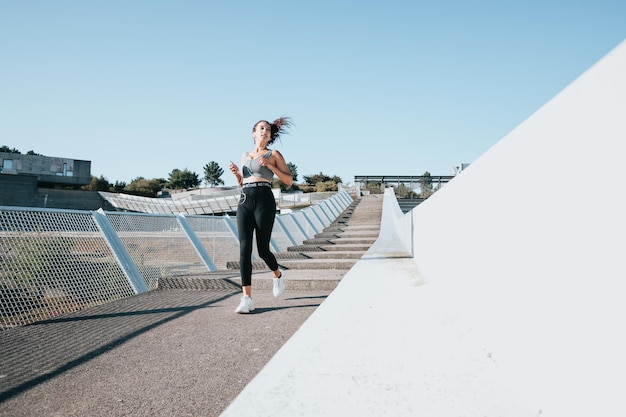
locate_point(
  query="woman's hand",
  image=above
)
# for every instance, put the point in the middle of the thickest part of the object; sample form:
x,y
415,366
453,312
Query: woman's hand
x,y
233,168
266,162
279,167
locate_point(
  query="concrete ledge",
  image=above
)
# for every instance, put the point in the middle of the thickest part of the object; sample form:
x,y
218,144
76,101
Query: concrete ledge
x,y
326,374
302,279
383,343
296,279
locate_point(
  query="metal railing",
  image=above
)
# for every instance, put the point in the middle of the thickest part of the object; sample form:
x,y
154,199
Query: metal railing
x,y
203,201
56,261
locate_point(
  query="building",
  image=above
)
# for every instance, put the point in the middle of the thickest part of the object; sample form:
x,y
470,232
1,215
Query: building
x,y
48,182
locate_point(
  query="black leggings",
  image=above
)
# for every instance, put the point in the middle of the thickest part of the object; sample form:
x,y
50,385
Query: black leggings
x,y
256,212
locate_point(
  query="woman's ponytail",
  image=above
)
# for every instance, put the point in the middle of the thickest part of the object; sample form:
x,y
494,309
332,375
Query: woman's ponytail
x,y
280,126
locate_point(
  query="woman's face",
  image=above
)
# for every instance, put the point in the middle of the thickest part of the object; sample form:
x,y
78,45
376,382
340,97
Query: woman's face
x,y
262,133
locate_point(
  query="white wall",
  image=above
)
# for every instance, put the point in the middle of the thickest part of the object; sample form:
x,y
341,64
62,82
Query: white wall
x,y
534,231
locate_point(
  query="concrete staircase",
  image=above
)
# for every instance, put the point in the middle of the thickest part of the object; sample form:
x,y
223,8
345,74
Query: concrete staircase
x,y
339,246
317,264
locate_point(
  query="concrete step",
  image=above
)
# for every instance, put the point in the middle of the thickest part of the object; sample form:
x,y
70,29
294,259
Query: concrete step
x,y
362,228
312,264
320,248
349,233
295,279
341,240
321,255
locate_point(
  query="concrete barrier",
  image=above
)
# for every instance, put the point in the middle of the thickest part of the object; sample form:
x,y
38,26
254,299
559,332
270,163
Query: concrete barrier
x,y
513,302
534,266
395,235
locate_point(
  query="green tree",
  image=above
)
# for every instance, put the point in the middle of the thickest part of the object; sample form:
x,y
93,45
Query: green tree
x,y
314,179
320,182
212,174
6,149
402,191
97,184
331,185
143,187
293,169
184,179
426,185
118,187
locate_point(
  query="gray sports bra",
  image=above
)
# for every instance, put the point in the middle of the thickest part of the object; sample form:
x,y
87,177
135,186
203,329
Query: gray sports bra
x,y
252,167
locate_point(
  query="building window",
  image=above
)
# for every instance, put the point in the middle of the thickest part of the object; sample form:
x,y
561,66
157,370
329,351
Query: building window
x,y
7,164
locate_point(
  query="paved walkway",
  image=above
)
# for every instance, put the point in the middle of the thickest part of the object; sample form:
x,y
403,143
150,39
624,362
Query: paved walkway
x,y
177,351
163,353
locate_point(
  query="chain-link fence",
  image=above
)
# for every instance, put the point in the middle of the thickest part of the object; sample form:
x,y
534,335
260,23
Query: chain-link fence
x,y
57,261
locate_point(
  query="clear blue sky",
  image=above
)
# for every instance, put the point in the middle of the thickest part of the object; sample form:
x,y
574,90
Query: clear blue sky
x,y
375,88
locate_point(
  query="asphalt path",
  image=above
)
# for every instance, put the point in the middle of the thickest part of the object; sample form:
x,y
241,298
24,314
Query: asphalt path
x,y
170,352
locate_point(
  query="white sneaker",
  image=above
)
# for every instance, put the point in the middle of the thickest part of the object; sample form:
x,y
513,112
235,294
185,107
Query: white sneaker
x,y
279,285
246,305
